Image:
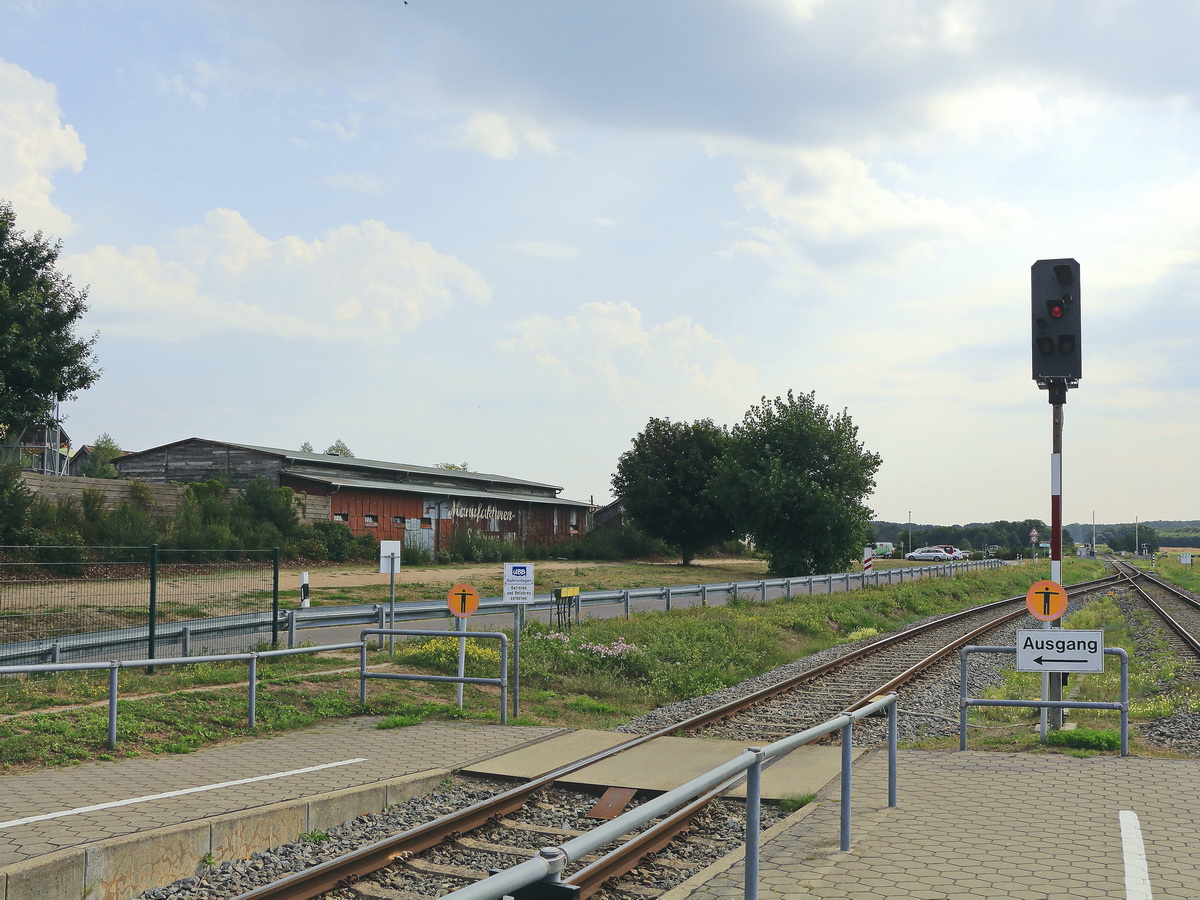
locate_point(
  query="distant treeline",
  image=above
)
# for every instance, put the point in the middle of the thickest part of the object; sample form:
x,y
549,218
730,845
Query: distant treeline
x,y
1004,539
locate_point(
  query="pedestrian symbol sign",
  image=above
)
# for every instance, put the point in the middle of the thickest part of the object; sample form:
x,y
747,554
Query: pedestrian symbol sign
x,y
462,600
1046,600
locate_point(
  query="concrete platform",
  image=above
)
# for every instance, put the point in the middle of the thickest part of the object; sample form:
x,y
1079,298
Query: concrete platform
x,y
969,825
662,764
986,826
110,830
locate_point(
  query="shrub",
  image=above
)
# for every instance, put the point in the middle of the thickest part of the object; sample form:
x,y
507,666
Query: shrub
x,y
1084,739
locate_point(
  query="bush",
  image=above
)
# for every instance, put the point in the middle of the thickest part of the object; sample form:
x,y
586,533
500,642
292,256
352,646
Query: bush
x,y
1084,739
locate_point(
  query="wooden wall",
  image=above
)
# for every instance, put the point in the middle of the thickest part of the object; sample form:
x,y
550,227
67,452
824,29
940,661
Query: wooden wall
x,y
166,497
200,460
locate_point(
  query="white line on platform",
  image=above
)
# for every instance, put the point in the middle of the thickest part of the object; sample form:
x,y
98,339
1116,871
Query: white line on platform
x,y
193,790
1137,876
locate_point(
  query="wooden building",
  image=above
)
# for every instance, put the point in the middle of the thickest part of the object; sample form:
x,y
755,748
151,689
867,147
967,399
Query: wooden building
x,y
419,505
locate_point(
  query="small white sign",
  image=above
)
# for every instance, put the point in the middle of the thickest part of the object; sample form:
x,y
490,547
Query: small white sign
x,y
1060,650
388,549
1185,558
518,582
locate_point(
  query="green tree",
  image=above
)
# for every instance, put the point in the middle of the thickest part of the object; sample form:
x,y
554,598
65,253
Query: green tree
x,y
16,504
100,462
664,484
306,447
41,361
794,478
338,448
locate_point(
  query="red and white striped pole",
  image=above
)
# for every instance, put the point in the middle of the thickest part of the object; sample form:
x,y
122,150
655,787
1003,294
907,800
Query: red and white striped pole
x,y
868,556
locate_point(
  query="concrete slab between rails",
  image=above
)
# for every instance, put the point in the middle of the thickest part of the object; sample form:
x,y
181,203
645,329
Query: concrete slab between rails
x,y
121,868
663,764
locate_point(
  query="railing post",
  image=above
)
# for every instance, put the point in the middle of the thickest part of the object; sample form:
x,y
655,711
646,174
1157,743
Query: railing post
x,y
893,736
704,595
787,589
847,765
380,624
667,591
185,641
753,821
113,667
962,698
362,672
53,653
762,591
275,600
291,626
625,600
253,685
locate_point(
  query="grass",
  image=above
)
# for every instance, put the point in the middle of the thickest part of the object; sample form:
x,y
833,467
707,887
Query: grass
x,y
597,675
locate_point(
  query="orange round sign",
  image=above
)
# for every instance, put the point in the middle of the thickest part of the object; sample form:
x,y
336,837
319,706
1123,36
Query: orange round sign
x,y
1046,600
462,600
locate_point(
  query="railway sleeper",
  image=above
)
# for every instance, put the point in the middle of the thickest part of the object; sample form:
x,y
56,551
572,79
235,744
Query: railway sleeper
x,y
371,891
539,829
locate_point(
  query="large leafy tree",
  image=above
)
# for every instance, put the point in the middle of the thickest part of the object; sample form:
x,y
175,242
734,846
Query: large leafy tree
x,y
42,362
664,484
794,478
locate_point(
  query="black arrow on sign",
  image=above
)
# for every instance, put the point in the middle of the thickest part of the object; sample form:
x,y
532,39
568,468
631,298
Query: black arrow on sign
x,y
1041,660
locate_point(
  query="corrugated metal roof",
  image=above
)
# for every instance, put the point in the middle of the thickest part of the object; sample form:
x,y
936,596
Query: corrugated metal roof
x,y
350,462
433,490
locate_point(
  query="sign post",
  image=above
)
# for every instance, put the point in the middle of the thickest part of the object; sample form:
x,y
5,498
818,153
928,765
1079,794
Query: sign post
x,y
389,562
462,601
518,591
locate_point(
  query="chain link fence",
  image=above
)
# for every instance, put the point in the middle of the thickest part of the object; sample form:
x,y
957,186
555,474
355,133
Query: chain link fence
x,y
75,604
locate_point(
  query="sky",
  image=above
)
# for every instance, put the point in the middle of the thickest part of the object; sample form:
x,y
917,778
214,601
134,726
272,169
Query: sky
x,y
508,233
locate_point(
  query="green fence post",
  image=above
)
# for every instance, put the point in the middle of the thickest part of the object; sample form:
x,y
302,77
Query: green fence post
x,y
275,602
152,635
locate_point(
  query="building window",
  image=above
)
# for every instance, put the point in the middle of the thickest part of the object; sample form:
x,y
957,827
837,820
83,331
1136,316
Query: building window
x,y
371,520
341,517
426,522
399,520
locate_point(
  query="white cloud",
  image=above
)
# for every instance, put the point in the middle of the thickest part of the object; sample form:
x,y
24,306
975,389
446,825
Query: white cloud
x,y
543,250
499,137
829,199
362,282
605,354
34,145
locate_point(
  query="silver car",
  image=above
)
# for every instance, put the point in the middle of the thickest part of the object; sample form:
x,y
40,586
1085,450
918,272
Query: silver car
x,y
932,554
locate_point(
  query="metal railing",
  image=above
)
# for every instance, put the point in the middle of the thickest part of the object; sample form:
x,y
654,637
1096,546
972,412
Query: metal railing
x,y
500,682
548,865
114,667
184,635
964,701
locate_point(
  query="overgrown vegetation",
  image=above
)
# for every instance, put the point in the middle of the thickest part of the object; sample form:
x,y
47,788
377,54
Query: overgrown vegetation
x,y
596,674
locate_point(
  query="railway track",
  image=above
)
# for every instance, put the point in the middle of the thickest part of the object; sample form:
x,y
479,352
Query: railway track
x,y
1175,608
459,849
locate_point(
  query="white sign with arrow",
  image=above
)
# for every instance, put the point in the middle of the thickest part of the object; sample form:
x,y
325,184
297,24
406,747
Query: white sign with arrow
x,y
1060,650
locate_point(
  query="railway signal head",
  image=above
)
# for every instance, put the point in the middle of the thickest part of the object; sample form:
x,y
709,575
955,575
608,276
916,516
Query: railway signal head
x,y
1057,357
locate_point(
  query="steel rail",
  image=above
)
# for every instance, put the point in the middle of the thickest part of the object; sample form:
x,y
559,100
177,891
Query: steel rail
x,y
345,870
1132,574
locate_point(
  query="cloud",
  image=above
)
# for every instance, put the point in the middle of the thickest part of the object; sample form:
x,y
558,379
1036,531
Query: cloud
x,y
34,145
542,250
499,137
605,355
356,282
826,206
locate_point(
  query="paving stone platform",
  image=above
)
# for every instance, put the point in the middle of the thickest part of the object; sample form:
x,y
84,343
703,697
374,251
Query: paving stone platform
x,y
978,826
969,825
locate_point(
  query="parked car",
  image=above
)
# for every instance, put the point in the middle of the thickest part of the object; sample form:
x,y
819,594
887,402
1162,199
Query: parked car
x,y
954,552
930,553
